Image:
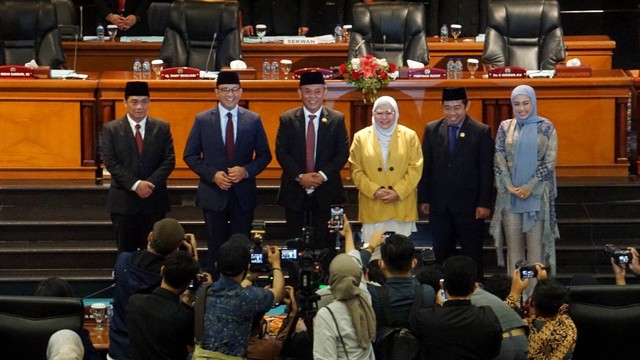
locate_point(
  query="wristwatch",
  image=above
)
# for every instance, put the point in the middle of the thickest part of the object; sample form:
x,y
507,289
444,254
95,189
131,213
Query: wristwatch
x,y
298,178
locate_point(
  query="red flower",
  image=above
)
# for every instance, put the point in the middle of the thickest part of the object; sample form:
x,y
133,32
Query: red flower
x,y
392,67
343,68
382,75
354,75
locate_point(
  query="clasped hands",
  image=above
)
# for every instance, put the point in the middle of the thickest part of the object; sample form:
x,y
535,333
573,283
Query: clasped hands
x,y
311,180
385,195
144,189
123,22
520,192
233,176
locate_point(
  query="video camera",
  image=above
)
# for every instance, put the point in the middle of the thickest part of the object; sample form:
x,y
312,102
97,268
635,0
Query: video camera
x,y
526,271
620,256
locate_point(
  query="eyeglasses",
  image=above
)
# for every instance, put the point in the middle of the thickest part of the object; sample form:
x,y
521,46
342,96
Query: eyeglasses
x,y
229,90
382,112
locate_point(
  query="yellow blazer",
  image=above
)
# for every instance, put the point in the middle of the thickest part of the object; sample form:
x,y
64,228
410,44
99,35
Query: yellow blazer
x,y
403,172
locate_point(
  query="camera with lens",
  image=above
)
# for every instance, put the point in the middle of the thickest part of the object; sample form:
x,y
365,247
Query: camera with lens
x,y
620,256
526,271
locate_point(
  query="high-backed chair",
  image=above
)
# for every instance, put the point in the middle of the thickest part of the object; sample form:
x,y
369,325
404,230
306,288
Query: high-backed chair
x,y
608,320
525,33
192,27
27,323
158,17
29,30
391,30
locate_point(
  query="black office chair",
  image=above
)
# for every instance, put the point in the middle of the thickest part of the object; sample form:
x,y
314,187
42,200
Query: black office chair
x,y
29,31
608,320
158,18
192,27
391,30
524,33
27,323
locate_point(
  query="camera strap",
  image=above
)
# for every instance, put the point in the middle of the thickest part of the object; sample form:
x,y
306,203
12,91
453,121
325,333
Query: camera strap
x,y
201,301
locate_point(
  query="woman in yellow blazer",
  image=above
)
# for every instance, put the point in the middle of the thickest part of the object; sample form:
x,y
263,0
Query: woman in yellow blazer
x,y
386,165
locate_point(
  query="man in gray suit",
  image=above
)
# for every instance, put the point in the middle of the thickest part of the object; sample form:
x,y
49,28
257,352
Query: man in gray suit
x,y
227,148
138,152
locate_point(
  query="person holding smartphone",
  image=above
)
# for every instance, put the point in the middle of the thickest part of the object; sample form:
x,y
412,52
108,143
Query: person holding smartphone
x,y
386,166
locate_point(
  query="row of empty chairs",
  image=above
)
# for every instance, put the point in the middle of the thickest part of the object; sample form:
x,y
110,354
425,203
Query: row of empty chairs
x,y
525,33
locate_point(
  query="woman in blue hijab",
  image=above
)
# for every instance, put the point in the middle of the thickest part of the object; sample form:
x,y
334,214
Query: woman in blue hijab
x,y
525,162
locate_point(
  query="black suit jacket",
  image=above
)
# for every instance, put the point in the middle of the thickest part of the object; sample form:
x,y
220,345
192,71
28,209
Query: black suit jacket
x,y
461,181
282,17
120,156
332,152
131,7
471,14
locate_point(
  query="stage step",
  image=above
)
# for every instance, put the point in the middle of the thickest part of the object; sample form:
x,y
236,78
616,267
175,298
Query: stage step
x,y
62,228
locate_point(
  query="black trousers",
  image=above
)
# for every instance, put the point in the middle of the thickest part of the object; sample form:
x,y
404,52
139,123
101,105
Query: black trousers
x,y
132,230
451,228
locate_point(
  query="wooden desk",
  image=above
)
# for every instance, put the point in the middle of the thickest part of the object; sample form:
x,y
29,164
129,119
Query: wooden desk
x,y
589,113
99,338
48,128
595,50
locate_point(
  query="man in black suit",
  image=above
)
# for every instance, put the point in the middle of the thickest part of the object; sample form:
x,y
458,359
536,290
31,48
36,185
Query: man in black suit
x,y
227,148
312,147
129,15
138,152
282,17
457,179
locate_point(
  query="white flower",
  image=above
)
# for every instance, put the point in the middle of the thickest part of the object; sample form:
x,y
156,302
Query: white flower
x,y
382,62
355,63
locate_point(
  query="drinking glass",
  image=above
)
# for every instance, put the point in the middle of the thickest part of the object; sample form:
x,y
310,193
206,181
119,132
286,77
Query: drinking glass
x,y
156,66
456,30
113,30
98,311
285,65
472,65
261,31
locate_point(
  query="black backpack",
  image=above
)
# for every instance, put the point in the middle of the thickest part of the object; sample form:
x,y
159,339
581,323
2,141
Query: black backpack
x,y
398,342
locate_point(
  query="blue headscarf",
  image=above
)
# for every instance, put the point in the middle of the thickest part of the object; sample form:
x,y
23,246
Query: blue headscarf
x,y
525,160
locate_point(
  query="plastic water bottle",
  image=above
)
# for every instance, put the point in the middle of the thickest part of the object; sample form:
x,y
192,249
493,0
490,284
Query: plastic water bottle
x,y
451,69
275,69
100,33
266,70
146,69
459,67
137,69
337,33
444,33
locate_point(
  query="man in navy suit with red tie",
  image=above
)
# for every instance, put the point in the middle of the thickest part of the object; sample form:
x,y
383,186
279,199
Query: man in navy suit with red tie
x,y
227,148
312,147
138,152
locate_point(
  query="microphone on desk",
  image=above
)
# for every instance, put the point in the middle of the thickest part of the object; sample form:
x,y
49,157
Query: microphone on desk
x,y
384,44
81,22
356,49
73,74
206,67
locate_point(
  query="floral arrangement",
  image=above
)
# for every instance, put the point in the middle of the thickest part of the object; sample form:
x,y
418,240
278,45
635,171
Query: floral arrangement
x,y
368,74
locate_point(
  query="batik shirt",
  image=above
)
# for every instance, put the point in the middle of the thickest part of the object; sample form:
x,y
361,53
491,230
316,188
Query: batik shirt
x,y
229,313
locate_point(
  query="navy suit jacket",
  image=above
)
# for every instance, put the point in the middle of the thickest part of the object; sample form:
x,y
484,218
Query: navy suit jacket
x,y
461,181
205,154
332,152
120,156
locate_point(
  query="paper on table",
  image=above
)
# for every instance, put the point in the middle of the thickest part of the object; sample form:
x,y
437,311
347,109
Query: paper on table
x,y
67,74
94,38
142,39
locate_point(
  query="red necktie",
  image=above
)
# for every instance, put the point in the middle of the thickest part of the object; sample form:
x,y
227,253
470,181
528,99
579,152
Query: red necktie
x,y
311,144
228,139
139,142
121,6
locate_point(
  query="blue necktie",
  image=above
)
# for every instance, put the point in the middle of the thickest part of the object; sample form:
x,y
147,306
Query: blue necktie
x,y
452,138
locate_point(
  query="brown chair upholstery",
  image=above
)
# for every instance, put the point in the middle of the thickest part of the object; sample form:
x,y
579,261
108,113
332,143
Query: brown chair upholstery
x,y
29,30
27,323
391,30
525,33
192,25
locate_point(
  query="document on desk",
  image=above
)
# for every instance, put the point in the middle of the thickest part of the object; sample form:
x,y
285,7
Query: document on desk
x,y
67,74
323,39
154,39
